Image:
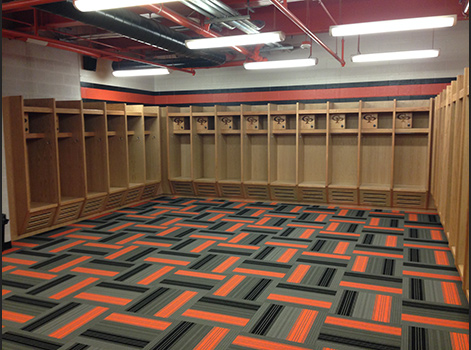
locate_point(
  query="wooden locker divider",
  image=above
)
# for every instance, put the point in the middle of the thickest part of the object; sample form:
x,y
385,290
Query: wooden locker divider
x,y
203,144
229,151
96,156
255,144
71,160
375,161
450,170
343,152
179,150
136,152
32,164
117,154
282,151
312,152
153,161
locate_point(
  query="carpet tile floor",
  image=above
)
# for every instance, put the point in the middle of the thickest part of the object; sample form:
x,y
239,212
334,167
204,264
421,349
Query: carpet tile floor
x,y
185,273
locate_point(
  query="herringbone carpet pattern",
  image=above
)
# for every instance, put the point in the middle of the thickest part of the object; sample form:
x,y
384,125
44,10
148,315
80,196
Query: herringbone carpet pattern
x,y
184,273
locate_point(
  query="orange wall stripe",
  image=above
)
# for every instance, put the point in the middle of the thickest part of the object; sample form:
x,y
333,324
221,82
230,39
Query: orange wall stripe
x,y
302,326
235,227
176,304
450,293
267,227
367,326
459,341
413,217
168,261
431,275
348,221
374,221
424,227
259,272
370,287
435,321
259,344
70,263
151,226
209,237
239,237
153,276
138,321
281,216
258,213
132,238
15,316
212,339
287,255
240,97
227,287
73,288
11,250
172,221
400,256
226,264
65,232
387,228
32,274
221,211
191,225
66,246
302,301
159,212
382,308
103,298
5,291
343,212
307,233
320,218
360,264
238,220
325,255
341,248
296,209
211,316
292,245
298,274
240,246
18,261
95,271
78,322
102,245
117,228
121,252
202,246
200,275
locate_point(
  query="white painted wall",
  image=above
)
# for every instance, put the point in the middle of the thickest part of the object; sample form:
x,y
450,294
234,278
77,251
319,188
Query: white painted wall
x,y
35,71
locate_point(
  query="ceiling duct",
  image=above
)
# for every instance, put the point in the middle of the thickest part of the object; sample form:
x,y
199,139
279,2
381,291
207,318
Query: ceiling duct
x,y
135,27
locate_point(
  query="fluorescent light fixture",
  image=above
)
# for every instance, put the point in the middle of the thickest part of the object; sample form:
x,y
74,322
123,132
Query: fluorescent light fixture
x,y
391,56
306,62
140,72
397,25
235,40
96,5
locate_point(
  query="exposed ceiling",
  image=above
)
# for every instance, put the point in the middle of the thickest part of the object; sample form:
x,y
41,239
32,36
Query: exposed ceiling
x,y
155,34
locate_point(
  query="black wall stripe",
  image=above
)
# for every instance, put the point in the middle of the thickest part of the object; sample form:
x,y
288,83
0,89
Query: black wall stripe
x,y
113,338
42,321
30,341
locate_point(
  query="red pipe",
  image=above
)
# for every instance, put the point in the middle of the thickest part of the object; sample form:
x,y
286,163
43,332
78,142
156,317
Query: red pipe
x,y
86,50
305,29
24,4
175,17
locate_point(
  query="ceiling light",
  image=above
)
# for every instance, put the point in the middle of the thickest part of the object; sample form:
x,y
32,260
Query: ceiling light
x,y
235,40
96,5
140,72
306,62
391,56
397,25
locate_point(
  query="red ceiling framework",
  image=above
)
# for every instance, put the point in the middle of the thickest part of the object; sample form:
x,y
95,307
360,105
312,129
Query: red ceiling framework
x,y
22,20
